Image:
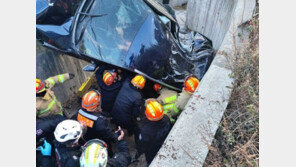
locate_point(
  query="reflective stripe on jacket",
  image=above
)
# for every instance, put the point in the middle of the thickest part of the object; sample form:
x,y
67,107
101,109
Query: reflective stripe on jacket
x,y
49,104
171,111
172,102
167,96
51,81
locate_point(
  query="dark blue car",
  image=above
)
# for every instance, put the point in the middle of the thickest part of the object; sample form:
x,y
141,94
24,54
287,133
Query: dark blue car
x,y
137,35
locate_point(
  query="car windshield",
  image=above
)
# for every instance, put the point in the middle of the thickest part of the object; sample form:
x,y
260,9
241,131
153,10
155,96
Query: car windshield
x,y
108,31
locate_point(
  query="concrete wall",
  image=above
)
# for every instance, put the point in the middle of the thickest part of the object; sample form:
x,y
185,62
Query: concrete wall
x,y
174,3
50,63
211,18
188,142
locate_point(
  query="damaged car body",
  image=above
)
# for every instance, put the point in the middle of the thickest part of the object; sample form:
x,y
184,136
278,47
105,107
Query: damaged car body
x,y
139,36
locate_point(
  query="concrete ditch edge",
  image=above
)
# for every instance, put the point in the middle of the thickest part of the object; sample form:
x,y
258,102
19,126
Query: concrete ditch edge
x,y
189,140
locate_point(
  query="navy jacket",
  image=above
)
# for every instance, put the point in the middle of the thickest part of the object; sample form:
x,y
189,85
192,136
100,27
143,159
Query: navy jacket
x,y
101,128
69,157
122,157
108,93
152,136
64,156
127,105
46,126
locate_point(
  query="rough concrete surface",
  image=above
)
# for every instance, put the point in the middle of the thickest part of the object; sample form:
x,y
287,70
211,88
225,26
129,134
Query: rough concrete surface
x,y
211,18
187,143
174,3
50,63
189,140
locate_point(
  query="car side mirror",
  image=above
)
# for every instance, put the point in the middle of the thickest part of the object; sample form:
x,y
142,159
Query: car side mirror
x,y
90,68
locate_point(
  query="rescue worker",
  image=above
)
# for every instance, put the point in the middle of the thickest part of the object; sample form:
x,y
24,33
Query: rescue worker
x,y
109,81
46,102
128,104
67,150
46,126
153,132
173,102
95,155
44,131
96,124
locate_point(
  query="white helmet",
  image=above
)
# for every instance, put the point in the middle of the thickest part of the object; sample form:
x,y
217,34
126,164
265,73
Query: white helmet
x,y
68,130
94,154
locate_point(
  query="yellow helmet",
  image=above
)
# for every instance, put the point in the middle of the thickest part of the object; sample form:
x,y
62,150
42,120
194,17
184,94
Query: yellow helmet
x,y
94,154
138,81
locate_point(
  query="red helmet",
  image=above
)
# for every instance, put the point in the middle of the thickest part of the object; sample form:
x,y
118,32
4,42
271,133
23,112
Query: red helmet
x,y
190,84
157,87
40,86
91,100
109,77
154,110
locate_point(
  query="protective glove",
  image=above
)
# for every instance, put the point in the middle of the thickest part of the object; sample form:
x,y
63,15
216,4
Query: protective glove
x,y
71,76
46,149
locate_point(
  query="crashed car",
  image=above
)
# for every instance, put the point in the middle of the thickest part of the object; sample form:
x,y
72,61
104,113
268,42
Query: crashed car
x,y
141,36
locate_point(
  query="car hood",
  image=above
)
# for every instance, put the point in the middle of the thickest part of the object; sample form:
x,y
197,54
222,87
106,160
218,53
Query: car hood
x,y
155,53
151,51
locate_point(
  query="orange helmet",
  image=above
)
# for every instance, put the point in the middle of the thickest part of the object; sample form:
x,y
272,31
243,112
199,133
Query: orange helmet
x,y
40,86
190,84
91,100
138,81
157,87
109,77
154,110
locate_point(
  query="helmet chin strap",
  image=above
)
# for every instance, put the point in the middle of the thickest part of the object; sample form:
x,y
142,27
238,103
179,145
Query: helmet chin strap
x,y
97,109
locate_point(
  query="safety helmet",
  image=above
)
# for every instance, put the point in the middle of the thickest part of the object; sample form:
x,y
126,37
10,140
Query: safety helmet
x,y
94,154
68,131
91,100
190,84
40,86
154,110
138,81
109,77
157,87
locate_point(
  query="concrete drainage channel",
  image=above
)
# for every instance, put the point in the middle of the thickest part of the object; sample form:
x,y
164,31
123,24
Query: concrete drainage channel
x,y
188,142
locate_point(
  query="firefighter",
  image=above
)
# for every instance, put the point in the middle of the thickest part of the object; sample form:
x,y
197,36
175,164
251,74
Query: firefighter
x,y
153,132
46,102
95,155
109,81
44,131
128,104
92,119
173,102
46,126
67,149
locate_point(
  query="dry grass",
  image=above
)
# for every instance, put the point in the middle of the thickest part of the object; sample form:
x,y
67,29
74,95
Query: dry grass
x,y
237,140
